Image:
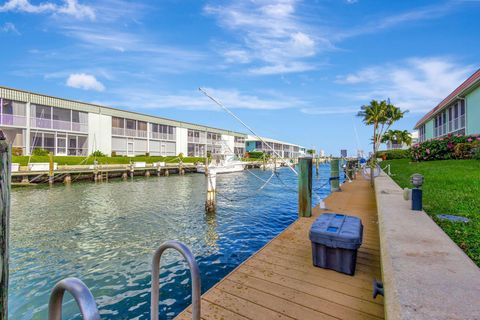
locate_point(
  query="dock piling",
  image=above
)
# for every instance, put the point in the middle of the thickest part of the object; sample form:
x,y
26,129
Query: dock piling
x,y
5,185
210,203
50,168
305,187
335,175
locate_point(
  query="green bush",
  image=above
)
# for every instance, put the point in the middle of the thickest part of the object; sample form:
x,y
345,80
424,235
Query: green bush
x,y
394,154
255,155
443,148
98,153
39,152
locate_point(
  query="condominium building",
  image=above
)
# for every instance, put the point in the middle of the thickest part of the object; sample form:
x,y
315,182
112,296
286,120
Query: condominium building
x,y
283,149
458,113
66,127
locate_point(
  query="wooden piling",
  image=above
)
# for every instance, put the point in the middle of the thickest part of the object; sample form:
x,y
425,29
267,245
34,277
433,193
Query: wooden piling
x,y
167,173
51,177
147,173
210,203
335,175
67,179
317,161
305,187
5,185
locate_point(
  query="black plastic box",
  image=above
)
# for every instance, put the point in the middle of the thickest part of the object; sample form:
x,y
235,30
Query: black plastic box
x,y
335,241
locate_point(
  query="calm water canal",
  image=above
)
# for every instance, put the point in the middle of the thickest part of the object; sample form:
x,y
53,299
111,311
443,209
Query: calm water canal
x,y
105,234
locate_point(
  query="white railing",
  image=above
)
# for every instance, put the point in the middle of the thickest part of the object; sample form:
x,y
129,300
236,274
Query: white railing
x,y
162,136
142,134
197,140
118,131
13,120
130,132
58,125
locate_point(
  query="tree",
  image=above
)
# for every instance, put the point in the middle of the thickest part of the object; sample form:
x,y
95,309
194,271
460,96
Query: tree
x,y
397,137
381,115
311,151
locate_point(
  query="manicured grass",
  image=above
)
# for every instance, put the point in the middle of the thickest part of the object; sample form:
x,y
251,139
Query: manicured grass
x,y
70,160
450,187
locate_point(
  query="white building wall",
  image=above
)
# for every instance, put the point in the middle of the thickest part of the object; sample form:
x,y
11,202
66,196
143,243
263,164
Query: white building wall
x,y
99,133
229,141
182,141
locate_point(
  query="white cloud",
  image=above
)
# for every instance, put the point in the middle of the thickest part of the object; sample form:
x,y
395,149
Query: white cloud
x,y
9,27
84,81
270,35
195,100
330,110
70,7
416,84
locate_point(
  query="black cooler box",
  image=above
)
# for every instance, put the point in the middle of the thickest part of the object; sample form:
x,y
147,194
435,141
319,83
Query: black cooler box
x,y
335,240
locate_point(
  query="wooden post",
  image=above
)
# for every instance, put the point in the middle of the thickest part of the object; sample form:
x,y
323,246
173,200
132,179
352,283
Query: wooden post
x,y
167,173
335,175
305,187
317,164
206,166
210,203
5,183
67,179
50,168
264,164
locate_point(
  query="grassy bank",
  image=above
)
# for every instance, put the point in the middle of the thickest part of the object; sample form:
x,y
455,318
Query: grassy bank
x,y
451,187
69,160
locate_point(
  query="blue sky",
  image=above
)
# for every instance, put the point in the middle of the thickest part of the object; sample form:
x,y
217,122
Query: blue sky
x,y
293,70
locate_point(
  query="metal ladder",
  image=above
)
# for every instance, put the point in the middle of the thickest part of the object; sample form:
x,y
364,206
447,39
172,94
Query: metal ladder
x,y
194,274
86,301
81,294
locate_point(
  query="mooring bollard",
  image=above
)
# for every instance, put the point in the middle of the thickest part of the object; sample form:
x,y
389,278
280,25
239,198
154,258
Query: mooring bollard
x,y
335,175
305,187
210,203
5,185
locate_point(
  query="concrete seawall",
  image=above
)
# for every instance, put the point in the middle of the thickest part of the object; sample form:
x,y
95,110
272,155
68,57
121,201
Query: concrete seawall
x,y
425,274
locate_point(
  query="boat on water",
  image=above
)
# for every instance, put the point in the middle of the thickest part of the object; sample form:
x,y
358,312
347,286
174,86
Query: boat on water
x,y
227,164
224,162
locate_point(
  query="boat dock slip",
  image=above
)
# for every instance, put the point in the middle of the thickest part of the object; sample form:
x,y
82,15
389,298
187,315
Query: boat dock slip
x,y
280,281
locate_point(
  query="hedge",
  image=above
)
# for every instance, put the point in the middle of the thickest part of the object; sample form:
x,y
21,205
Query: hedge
x,y
394,154
445,148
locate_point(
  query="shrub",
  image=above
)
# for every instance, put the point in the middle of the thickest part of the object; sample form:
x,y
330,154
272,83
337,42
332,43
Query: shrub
x,y
39,152
463,150
98,153
114,153
255,155
443,148
17,151
394,154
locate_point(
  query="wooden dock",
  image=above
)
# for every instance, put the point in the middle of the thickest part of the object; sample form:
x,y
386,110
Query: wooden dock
x,y
280,282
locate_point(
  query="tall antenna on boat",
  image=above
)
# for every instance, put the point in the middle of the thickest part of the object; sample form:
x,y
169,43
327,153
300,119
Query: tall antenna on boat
x,y
248,128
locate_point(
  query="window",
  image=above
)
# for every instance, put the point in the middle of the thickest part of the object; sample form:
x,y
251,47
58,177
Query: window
x,y
131,124
62,114
421,133
142,126
43,112
456,117
117,122
440,124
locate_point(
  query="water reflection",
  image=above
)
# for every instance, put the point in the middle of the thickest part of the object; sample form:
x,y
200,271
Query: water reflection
x,y
105,234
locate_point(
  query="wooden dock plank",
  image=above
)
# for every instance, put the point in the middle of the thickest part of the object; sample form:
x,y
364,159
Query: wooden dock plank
x,y
280,281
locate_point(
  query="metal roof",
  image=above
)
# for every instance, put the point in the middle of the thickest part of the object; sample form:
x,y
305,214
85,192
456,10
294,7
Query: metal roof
x,y
38,98
464,88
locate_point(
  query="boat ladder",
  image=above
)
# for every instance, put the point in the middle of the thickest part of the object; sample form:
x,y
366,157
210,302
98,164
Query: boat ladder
x,y
86,301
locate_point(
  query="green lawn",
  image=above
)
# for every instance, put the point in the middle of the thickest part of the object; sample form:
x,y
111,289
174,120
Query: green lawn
x,y
451,187
69,160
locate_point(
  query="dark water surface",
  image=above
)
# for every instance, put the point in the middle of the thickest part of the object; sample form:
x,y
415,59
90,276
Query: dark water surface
x,y
105,234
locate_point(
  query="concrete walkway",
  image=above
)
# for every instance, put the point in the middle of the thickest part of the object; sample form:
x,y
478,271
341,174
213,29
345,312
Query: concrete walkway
x,y
280,282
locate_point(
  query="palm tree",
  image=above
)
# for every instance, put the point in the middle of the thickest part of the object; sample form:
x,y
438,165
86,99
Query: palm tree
x,y
398,137
380,114
406,137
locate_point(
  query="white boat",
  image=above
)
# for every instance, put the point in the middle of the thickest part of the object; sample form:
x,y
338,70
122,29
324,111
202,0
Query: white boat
x,y
225,162
227,165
